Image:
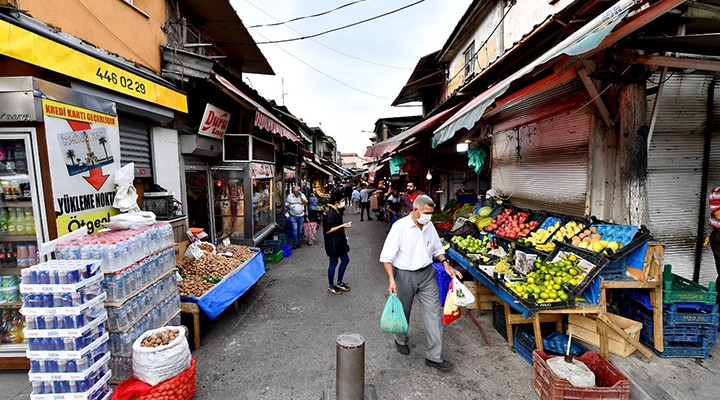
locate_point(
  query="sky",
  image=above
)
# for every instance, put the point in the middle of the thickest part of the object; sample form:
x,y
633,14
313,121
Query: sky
x,y
378,58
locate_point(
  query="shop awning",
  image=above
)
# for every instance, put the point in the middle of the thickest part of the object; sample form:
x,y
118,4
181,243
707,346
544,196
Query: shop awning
x,y
583,40
263,118
318,167
34,42
390,145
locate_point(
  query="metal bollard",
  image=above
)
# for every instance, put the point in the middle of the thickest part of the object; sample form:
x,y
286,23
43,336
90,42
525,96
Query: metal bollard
x,y
350,377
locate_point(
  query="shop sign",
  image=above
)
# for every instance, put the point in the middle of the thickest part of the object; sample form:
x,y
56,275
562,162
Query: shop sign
x,y
214,122
85,153
262,171
35,49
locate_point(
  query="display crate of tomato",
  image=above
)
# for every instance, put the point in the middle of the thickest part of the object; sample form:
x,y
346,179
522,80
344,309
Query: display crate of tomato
x,y
514,223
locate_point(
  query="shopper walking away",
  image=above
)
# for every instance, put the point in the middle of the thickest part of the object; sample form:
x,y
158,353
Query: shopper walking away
x,y
715,235
392,206
356,201
409,197
295,204
336,245
407,256
313,208
348,194
365,202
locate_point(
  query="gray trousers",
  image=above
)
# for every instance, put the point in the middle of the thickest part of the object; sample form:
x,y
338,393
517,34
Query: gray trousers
x,y
423,284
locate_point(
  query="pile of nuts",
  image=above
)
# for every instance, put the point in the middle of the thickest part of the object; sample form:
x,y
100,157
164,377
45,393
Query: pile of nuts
x,y
160,339
206,247
238,252
210,265
194,286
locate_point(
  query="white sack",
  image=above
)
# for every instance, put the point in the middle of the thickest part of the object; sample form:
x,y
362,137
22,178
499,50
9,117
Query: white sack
x,y
577,373
131,220
153,365
125,193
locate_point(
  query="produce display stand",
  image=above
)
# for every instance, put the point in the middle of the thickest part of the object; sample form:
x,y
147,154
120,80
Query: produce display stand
x,y
536,317
224,293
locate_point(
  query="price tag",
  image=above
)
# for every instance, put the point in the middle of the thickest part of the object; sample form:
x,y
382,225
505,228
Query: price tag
x,y
196,252
226,242
191,236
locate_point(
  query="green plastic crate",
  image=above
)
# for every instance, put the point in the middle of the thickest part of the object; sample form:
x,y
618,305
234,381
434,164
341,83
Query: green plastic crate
x,y
275,257
677,289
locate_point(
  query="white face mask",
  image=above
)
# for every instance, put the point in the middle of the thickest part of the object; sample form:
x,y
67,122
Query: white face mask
x,y
424,219
341,204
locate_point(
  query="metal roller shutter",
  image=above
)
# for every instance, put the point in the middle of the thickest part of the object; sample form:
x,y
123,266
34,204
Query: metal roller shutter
x,y
707,267
135,146
675,167
549,171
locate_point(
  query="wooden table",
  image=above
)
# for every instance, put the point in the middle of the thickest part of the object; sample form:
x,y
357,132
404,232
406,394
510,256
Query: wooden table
x,y
194,310
600,311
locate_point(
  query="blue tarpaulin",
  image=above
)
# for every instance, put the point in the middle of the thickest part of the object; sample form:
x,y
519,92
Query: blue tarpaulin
x,y
232,287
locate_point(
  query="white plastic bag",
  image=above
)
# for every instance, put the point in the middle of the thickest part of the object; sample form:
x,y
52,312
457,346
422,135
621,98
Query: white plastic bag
x,y
463,295
125,193
153,365
131,220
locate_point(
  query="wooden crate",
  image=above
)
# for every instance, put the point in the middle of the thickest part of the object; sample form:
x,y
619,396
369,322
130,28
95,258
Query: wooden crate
x,y
484,296
585,329
180,251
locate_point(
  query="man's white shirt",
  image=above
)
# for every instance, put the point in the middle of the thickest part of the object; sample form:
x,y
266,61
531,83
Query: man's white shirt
x,y
409,248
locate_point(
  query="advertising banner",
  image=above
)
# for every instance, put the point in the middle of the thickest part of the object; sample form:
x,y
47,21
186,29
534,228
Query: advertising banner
x,y
84,152
214,122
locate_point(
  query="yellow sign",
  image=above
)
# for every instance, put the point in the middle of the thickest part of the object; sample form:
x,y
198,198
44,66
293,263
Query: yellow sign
x,y
66,111
93,220
32,48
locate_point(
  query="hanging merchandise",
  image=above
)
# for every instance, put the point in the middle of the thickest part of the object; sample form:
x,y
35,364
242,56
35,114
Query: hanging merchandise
x,y
476,158
395,163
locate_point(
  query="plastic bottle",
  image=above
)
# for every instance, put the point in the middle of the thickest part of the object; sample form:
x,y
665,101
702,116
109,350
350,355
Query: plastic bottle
x,y
19,221
11,221
29,221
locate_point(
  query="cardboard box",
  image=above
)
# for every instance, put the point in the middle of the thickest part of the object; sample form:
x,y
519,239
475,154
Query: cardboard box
x,y
180,251
585,329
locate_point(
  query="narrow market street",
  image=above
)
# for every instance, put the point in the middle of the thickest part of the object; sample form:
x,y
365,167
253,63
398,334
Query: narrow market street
x,y
281,342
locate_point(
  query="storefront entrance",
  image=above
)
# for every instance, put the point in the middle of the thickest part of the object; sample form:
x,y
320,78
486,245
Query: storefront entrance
x,y
198,209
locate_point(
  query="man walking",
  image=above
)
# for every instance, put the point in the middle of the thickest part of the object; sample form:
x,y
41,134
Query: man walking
x,y
295,203
356,201
407,257
348,190
409,197
365,202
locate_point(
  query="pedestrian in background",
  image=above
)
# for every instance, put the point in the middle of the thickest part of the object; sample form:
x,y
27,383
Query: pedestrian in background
x,y
392,206
409,197
356,201
295,203
714,222
407,256
365,202
336,244
348,193
313,208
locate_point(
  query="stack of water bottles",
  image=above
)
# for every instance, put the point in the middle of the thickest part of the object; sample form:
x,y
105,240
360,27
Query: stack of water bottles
x,y
139,281
67,342
118,249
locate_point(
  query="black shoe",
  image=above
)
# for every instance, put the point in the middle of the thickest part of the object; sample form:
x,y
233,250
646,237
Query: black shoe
x,y
334,290
343,286
370,219
295,246
402,348
444,365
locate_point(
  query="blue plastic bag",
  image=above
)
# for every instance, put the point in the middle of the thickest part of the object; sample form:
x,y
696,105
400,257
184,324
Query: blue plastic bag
x,y
393,317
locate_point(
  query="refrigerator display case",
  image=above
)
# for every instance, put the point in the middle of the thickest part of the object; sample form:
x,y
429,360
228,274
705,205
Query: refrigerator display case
x,y
21,230
243,202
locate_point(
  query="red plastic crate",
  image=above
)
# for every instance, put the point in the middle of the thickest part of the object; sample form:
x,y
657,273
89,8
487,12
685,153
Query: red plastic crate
x,y
611,383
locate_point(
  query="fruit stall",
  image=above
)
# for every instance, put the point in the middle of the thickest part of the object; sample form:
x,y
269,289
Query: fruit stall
x,y
213,278
546,267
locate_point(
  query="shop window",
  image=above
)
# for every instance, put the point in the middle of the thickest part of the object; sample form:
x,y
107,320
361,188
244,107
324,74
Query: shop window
x,y
262,204
470,59
236,147
262,150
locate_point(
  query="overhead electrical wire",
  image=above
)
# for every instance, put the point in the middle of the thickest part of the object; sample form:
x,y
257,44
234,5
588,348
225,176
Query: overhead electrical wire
x,y
342,27
328,47
329,76
305,17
